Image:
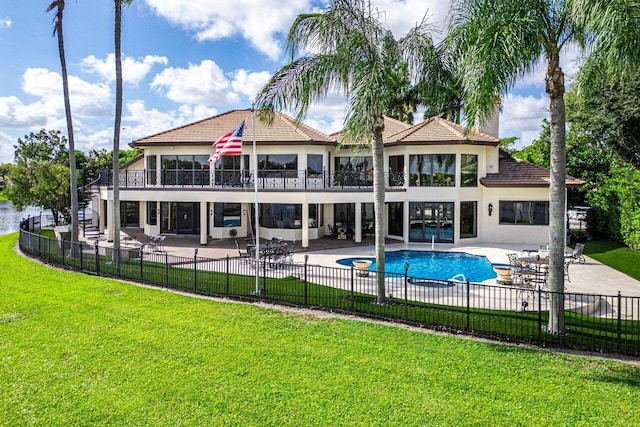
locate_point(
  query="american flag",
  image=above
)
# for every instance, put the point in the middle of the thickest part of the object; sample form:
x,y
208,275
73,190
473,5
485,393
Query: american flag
x,y
229,144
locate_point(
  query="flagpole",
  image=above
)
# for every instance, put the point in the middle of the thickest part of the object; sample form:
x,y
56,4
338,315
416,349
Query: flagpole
x,y
256,207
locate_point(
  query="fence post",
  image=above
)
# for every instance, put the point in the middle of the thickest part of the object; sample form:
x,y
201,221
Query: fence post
x,y
141,264
166,269
306,261
62,244
81,263
227,276
195,270
619,322
353,296
539,315
48,249
264,277
406,291
97,258
468,305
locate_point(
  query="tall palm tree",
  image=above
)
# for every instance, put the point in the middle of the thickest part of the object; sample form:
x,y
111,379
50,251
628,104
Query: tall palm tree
x,y
498,41
58,7
116,128
350,47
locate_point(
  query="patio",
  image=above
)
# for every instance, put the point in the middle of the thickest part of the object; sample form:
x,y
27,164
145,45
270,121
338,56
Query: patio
x,y
591,277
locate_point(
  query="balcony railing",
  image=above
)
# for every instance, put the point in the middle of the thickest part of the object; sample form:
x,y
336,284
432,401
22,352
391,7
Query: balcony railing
x,y
240,179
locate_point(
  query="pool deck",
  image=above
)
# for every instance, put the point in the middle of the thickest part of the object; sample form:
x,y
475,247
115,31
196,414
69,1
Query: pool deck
x,y
592,277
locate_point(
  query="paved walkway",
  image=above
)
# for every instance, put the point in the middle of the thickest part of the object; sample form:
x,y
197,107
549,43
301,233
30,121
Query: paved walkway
x,y
592,277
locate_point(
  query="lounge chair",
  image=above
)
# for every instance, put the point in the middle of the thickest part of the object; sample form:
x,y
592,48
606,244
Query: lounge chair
x,y
576,255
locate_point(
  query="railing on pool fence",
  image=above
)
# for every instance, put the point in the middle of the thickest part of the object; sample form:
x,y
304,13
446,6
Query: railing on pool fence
x,y
603,323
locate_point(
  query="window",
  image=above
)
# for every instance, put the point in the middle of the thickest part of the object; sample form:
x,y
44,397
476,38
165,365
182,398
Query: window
x,y
396,171
227,215
524,213
228,170
432,170
152,213
276,215
185,170
468,220
395,221
151,170
314,164
468,170
275,164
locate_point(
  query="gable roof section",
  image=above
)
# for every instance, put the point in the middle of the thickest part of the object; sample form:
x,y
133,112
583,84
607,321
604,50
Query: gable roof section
x,y
283,131
518,173
438,131
391,127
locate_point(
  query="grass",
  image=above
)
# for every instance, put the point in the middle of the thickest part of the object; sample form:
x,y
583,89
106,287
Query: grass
x,y
615,256
3,198
587,333
77,350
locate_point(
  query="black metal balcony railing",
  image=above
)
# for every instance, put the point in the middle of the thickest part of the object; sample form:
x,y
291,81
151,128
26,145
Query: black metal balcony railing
x,y
267,179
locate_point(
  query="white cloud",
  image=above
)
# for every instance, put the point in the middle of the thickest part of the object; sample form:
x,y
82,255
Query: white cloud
x,y
133,71
248,83
522,117
6,148
264,23
5,23
87,99
260,22
199,84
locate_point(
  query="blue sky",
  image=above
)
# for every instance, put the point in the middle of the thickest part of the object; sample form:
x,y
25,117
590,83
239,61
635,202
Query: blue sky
x,y
184,60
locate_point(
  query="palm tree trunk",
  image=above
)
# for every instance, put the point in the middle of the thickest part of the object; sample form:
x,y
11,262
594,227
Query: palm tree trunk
x,y
378,207
116,134
555,89
73,180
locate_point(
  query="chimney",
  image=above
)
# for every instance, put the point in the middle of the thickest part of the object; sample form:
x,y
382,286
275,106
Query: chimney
x,y
492,126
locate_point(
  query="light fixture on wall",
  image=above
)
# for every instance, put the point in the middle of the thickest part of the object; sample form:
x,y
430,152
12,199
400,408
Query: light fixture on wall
x,y
490,209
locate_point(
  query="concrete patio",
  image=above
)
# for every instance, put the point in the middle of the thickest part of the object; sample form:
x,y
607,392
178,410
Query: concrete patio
x,y
592,277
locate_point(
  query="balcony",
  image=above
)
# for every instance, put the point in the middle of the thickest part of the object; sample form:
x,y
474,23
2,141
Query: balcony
x,y
244,179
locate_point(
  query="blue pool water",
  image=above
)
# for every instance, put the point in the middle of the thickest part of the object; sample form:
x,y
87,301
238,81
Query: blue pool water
x,y
434,265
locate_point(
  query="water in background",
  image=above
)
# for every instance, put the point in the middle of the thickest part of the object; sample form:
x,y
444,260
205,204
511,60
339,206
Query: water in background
x,y
10,218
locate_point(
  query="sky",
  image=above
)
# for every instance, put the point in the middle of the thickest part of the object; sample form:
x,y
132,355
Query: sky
x,y
183,60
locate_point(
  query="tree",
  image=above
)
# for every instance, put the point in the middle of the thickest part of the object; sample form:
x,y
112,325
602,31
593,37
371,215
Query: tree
x,y
40,175
116,127
58,7
351,51
497,41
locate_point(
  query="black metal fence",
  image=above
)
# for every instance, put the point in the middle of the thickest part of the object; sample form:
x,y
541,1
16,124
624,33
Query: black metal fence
x,y
594,322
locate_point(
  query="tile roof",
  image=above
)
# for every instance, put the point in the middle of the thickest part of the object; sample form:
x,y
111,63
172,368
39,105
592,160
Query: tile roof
x,y
438,131
391,126
283,130
518,173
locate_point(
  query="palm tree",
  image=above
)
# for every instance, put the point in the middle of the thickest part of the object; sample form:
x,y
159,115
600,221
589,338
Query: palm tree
x,y
351,50
58,6
497,41
116,129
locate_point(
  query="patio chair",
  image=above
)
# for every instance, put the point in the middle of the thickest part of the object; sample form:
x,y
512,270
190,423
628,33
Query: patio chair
x,y
576,255
246,256
333,233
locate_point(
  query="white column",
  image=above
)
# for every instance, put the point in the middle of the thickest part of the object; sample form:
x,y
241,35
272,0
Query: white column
x,y
305,225
102,215
358,230
203,223
109,219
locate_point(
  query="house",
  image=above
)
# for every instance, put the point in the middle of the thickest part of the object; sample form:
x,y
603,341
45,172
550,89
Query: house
x,y
444,184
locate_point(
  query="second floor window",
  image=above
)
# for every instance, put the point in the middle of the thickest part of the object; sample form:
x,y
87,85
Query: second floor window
x,y
432,170
468,170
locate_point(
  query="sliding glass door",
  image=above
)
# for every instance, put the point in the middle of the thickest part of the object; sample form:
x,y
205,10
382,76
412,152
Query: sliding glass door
x,y
431,220
180,218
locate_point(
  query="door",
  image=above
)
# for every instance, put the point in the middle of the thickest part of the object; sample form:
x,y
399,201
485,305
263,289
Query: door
x,y
431,220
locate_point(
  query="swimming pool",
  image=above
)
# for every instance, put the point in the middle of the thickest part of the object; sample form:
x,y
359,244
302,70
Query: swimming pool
x,y
433,265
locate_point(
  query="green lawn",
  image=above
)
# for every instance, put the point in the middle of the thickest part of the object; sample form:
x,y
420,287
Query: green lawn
x,y
79,350
615,256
